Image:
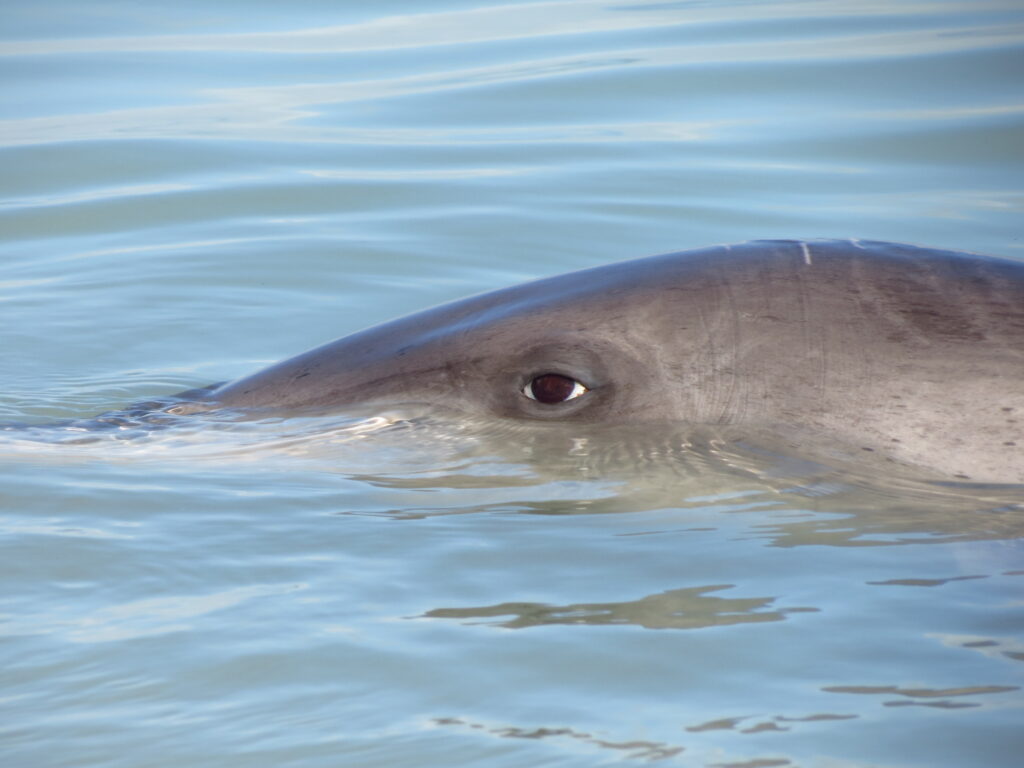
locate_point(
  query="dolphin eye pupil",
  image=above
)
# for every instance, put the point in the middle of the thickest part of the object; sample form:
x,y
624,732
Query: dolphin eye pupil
x,y
552,388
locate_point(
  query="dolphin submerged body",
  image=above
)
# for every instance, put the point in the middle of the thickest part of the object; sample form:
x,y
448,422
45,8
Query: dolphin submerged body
x,y
914,353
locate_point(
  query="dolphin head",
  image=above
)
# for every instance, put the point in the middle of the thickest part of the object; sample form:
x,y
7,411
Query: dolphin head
x,y
553,350
908,353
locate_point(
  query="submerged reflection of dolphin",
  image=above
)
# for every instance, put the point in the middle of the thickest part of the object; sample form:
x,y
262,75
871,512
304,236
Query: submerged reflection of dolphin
x,y
914,353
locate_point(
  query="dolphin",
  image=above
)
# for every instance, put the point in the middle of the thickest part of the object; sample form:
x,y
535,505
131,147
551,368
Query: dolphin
x,y
911,353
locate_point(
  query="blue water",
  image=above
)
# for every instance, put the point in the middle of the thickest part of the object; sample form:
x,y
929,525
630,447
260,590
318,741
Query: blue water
x,y
193,190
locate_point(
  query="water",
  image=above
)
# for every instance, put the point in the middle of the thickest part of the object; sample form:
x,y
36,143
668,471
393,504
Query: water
x,y
192,191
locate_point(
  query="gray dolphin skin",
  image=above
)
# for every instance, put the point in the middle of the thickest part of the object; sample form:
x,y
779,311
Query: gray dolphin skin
x,y
914,353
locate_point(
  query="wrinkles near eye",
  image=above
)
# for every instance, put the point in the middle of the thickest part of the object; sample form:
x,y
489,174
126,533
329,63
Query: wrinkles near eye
x,y
553,388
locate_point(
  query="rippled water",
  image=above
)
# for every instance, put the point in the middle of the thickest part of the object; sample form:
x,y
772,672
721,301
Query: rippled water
x,y
193,190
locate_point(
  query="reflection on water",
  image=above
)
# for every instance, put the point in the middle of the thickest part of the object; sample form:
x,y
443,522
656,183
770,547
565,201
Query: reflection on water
x,y
924,697
687,608
647,751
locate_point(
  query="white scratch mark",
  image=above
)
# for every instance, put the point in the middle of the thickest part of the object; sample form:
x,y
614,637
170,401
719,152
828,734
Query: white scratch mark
x,y
807,252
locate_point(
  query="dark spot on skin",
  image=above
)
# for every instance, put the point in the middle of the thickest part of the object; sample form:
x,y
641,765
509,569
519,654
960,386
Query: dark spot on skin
x,y
963,477
1007,410
1009,442
894,440
302,375
865,448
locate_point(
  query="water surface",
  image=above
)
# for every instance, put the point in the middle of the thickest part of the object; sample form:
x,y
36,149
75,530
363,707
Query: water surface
x,y
192,191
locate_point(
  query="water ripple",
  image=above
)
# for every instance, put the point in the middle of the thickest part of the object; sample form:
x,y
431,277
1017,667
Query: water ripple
x,y
140,618
493,24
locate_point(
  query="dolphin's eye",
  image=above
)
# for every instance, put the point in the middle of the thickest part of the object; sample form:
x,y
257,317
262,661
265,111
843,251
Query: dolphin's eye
x,y
553,388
